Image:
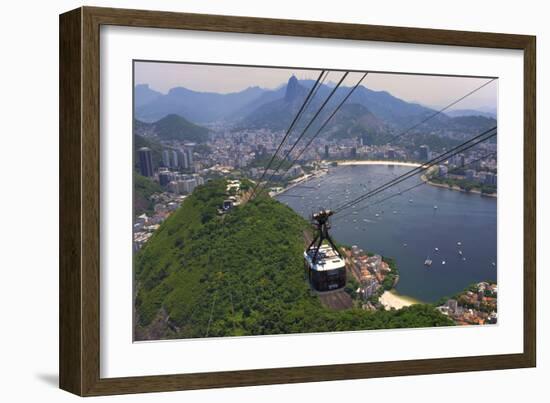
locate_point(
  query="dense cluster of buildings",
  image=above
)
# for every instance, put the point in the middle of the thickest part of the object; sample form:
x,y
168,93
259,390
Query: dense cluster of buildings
x,y
172,158
476,306
236,149
145,225
369,271
168,175
355,150
230,149
472,168
175,183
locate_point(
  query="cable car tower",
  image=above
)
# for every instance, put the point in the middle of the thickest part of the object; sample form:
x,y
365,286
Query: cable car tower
x,y
323,262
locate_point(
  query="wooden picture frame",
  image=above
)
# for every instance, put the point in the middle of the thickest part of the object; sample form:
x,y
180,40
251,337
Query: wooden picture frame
x,y
79,280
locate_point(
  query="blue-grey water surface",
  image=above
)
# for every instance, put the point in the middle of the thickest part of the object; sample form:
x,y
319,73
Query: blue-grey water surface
x,y
408,227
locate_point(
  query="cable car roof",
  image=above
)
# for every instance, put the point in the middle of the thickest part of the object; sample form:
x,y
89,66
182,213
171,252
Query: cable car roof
x,y
327,259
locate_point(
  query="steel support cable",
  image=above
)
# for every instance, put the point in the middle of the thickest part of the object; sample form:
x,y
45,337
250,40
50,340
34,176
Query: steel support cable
x,y
411,173
305,130
327,121
438,112
424,120
455,150
292,124
379,201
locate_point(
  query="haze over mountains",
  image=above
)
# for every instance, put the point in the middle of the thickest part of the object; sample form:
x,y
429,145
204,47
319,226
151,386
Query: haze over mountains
x,y
365,111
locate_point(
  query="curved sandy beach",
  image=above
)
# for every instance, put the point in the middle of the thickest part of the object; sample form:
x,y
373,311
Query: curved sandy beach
x,y
377,162
390,299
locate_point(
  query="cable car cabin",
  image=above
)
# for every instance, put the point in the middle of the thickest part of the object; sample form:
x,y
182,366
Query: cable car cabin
x,y
328,271
227,205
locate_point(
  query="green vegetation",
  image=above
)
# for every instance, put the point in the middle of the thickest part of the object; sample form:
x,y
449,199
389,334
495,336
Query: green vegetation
x,y
390,279
143,189
174,127
246,184
203,274
351,289
464,184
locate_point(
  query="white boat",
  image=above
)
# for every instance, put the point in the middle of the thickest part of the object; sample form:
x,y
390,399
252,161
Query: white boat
x,y
494,264
394,211
436,249
377,215
405,245
428,262
435,207
443,262
410,200
460,252
459,243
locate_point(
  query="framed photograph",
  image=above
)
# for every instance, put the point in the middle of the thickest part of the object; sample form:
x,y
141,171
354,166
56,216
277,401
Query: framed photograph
x,y
249,201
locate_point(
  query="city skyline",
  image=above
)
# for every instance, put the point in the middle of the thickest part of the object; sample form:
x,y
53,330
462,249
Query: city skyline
x,y
428,90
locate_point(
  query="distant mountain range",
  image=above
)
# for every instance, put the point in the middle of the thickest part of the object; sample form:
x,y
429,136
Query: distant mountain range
x,y
199,107
373,112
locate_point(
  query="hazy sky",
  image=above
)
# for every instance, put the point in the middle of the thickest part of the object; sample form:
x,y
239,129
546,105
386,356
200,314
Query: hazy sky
x,y
434,91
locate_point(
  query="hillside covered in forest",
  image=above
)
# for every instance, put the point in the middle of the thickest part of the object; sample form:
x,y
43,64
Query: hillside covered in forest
x,y
208,275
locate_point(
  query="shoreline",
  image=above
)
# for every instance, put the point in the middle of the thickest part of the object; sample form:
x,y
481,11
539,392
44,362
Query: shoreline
x,y
383,162
304,179
458,189
391,299
376,162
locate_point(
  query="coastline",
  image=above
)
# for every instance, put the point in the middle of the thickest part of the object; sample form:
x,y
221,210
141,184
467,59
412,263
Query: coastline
x,y
391,299
456,188
376,162
323,172
423,177
301,181
415,165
